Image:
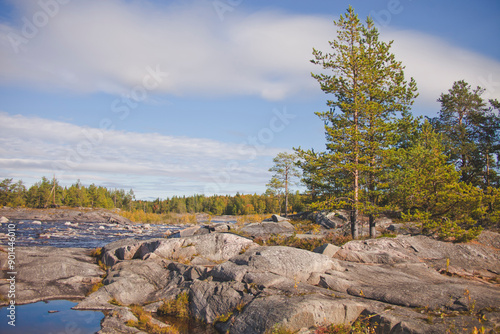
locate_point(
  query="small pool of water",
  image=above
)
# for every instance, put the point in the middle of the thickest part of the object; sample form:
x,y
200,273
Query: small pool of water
x,y
36,319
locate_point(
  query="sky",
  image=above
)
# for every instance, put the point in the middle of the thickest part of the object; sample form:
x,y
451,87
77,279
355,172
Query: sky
x,y
186,97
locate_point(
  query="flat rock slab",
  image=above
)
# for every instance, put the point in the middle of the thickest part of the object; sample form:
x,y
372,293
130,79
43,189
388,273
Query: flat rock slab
x,y
50,273
468,256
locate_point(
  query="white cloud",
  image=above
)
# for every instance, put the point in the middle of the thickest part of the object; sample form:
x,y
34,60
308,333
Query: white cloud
x,y
34,145
106,46
436,64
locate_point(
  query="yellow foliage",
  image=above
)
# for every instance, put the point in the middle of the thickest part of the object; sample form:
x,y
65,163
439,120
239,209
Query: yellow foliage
x,y
178,307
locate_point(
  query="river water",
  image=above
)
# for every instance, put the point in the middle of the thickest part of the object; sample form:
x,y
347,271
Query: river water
x,y
80,235
51,317
83,235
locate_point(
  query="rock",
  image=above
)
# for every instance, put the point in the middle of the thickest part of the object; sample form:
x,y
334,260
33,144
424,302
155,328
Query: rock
x,y
327,249
4,220
222,227
293,263
120,250
403,228
262,315
212,299
216,247
129,282
190,231
383,221
114,322
417,249
36,222
51,273
330,220
490,239
277,219
266,229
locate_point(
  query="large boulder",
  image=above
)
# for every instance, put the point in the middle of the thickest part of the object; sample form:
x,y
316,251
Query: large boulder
x,y
327,249
277,218
130,282
209,300
215,247
279,262
330,220
267,229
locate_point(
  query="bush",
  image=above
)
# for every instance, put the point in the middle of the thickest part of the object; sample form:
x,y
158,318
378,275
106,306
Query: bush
x,y
145,322
178,307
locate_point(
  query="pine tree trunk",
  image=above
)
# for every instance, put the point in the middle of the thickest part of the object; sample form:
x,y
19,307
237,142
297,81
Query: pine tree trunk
x,y
354,212
373,231
371,188
354,223
286,194
487,170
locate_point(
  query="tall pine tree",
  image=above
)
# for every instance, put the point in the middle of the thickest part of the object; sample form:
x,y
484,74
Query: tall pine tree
x,y
471,132
369,91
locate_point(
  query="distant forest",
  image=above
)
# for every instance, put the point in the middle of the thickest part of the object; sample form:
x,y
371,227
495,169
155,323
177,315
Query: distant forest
x,y
49,193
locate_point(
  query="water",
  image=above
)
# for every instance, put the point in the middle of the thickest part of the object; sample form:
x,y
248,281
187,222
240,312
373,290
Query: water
x,y
36,319
83,235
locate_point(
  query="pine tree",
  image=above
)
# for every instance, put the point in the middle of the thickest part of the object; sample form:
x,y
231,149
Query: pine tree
x,y
426,188
459,108
285,171
369,91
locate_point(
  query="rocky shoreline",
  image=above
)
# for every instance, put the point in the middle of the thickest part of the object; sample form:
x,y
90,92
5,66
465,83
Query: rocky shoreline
x,y
407,284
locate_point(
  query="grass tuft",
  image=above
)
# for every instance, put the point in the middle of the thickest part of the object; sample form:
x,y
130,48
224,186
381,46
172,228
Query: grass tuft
x,y
178,307
145,322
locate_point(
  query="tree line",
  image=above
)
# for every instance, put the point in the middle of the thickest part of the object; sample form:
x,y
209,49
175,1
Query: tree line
x,y
49,193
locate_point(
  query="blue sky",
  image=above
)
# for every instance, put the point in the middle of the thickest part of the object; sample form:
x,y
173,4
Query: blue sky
x,y
182,97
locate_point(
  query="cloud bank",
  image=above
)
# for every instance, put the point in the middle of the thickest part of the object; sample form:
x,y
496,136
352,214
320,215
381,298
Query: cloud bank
x,y
35,145
105,46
